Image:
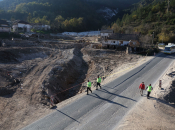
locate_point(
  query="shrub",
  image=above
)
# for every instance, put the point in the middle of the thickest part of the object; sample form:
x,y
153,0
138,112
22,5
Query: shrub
x,y
6,35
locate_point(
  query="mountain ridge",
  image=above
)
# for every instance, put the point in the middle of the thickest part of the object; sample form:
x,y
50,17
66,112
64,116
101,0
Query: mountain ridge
x,y
93,13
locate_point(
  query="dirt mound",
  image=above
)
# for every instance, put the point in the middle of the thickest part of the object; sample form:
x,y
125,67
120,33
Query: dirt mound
x,y
7,56
170,97
103,62
38,69
5,91
65,74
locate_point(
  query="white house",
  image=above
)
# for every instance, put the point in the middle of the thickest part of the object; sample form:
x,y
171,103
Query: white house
x,y
106,33
22,26
40,26
161,44
47,27
121,39
4,26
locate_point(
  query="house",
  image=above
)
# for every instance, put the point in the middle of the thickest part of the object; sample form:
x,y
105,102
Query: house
x,y
21,26
121,39
39,26
161,44
4,26
106,33
46,27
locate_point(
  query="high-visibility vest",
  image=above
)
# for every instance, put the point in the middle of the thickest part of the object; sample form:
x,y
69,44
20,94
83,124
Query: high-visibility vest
x,y
149,88
98,80
88,84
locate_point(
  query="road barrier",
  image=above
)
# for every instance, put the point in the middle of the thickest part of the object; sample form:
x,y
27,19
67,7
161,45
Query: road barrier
x,y
160,84
51,100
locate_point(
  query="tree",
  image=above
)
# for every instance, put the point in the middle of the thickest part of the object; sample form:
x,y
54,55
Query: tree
x,y
150,15
20,8
164,36
29,18
118,22
116,28
134,17
58,21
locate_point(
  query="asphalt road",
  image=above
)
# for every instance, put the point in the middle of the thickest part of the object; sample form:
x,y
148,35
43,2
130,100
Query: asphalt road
x,y
104,108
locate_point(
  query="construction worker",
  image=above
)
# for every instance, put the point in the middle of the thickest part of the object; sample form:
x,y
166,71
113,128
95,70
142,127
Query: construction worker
x,y
98,82
149,89
142,87
89,87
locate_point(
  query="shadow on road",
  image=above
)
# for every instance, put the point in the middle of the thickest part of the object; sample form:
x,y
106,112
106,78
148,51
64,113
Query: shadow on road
x,y
55,107
106,91
97,96
170,56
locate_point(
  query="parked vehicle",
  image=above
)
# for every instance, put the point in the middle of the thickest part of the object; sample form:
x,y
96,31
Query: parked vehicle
x,y
169,49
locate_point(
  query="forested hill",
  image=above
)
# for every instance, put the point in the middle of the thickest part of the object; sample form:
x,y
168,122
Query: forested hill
x,y
152,17
11,4
66,15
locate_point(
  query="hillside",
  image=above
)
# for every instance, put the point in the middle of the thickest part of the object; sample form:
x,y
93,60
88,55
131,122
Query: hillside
x,y
152,18
65,15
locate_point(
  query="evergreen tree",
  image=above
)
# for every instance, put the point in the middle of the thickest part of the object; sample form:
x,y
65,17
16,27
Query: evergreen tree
x,y
150,15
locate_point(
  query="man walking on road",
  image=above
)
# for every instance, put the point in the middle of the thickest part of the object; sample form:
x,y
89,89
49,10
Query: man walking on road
x,y
98,82
149,89
89,87
142,87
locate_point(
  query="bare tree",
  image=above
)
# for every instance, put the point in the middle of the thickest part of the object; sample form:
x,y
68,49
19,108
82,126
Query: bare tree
x,y
145,39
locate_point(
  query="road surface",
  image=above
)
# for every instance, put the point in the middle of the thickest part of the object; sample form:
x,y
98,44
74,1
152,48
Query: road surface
x,y
105,108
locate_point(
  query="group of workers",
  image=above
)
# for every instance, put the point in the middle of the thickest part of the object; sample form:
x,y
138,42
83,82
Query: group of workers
x,y
149,88
89,84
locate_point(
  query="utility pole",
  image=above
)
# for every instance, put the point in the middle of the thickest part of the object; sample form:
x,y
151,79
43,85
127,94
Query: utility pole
x,y
153,38
168,4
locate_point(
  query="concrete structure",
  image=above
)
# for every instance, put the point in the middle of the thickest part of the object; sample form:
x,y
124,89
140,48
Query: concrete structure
x,y
21,26
4,26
